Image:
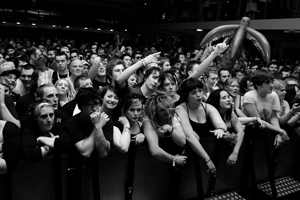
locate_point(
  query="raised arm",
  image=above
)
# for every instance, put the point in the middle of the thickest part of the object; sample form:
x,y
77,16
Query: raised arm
x,y
130,70
94,68
218,49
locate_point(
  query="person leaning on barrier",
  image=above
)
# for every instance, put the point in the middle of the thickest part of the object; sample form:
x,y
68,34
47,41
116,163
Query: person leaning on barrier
x,y
92,128
43,135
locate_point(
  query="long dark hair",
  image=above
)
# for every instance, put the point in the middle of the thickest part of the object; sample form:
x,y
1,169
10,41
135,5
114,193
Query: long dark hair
x,y
214,100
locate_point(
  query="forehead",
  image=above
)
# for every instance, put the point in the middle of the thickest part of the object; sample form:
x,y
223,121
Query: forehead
x,y
62,81
76,62
26,71
62,57
127,57
224,72
109,92
85,82
74,53
49,90
119,66
64,49
46,110
213,75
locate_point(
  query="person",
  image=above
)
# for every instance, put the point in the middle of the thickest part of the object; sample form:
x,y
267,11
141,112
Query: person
x,y
43,134
76,68
92,128
164,64
10,146
264,104
223,75
199,118
65,90
62,62
210,80
170,86
286,115
162,123
221,100
23,84
233,88
128,127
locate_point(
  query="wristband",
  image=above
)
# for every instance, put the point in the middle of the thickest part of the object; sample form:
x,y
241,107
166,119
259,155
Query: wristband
x,y
143,62
208,161
222,129
174,161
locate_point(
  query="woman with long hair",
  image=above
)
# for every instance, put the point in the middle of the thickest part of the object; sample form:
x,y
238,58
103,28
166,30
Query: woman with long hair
x,y
66,91
221,100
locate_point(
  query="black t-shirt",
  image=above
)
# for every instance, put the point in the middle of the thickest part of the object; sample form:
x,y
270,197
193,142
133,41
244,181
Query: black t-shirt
x,y
55,77
24,102
69,107
99,85
12,145
79,130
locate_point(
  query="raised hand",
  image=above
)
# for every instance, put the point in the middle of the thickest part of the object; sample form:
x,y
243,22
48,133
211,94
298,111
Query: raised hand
x,y
152,58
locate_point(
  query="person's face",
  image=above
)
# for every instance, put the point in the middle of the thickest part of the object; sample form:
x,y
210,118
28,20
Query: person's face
x,y
239,76
86,83
250,86
66,51
285,74
127,61
92,58
28,44
132,80
50,94
212,80
152,50
266,87
10,52
273,68
224,76
152,81
166,66
233,88
45,119
48,42
25,77
11,80
169,87
38,54
76,67
195,96
62,87
134,111
110,100
281,93
188,54
117,71
181,58
51,55
74,56
85,69
225,100
253,69
41,48
137,57
101,52
62,63
193,69
88,110
94,48
101,69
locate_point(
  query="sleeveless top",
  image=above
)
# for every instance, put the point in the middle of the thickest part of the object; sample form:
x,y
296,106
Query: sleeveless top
x,y
202,129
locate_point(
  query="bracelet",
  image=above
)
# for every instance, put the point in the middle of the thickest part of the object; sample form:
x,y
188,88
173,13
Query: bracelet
x,y
143,62
174,161
291,112
208,161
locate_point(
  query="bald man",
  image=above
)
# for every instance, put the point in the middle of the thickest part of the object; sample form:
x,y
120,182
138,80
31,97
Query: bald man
x,y
76,68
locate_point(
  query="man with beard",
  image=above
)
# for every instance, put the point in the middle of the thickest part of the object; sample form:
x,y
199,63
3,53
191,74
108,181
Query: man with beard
x,y
24,82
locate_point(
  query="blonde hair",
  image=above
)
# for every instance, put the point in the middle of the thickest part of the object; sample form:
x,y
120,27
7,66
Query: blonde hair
x,y
39,107
71,93
278,84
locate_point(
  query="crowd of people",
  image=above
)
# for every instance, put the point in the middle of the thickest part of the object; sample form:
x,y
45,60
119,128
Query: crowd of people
x,y
56,99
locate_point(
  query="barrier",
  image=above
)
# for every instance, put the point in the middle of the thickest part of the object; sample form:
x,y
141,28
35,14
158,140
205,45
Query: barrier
x,y
151,177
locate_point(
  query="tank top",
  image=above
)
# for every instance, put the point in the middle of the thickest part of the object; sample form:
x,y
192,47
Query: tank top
x,y
202,129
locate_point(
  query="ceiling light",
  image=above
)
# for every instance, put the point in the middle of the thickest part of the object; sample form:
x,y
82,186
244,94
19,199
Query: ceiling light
x,y
53,26
33,24
199,29
67,26
99,29
125,29
85,28
111,30
18,23
3,22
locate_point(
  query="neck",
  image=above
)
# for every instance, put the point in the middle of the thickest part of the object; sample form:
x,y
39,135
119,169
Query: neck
x,y
261,94
146,92
62,97
193,106
63,72
223,112
72,77
100,78
109,112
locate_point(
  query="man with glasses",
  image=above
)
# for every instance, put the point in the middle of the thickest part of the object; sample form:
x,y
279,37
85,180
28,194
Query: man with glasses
x,y
137,56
